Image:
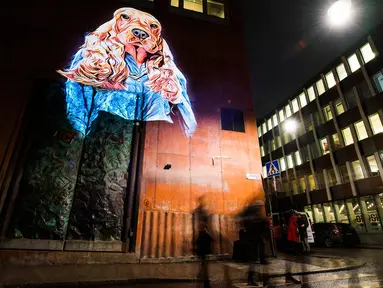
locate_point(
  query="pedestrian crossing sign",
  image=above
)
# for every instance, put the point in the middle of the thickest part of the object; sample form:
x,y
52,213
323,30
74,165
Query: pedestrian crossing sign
x,y
272,168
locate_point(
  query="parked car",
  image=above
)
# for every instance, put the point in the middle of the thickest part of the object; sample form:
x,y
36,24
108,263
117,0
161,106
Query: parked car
x,y
331,234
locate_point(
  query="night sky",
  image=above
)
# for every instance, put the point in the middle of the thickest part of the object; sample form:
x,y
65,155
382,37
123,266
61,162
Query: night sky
x,y
289,42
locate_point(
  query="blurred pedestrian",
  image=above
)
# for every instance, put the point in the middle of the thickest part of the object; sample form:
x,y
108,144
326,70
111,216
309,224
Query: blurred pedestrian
x,y
204,239
257,228
302,226
293,233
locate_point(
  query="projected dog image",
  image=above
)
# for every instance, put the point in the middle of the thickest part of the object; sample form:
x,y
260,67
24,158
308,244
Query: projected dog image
x,y
126,68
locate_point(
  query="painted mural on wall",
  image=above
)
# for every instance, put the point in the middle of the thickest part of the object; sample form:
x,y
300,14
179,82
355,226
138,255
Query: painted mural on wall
x,y
132,68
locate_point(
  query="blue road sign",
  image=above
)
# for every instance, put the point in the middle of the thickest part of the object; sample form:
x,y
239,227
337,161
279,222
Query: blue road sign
x,y
272,168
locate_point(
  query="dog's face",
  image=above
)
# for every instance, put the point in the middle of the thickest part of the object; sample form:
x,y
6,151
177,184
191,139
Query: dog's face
x,y
138,29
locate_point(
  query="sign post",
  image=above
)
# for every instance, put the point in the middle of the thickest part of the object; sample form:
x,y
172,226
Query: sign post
x,y
273,170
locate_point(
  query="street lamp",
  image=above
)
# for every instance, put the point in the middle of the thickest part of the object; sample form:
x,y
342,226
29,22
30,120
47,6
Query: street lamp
x,y
290,125
340,12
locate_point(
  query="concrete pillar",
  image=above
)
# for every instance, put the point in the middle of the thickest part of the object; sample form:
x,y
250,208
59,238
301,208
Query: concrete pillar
x,y
379,208
351,214
363,208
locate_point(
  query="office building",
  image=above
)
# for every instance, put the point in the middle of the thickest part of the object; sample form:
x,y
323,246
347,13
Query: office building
x,y
329,142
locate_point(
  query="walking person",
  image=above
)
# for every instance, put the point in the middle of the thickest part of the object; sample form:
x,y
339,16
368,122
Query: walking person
x,y
293,233
257,229
204,240
302,226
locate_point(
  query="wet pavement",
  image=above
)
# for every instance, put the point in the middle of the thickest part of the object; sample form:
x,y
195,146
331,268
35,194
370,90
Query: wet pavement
x,y
317,270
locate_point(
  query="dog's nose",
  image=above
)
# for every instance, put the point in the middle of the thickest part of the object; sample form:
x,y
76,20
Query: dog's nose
x,y
140,34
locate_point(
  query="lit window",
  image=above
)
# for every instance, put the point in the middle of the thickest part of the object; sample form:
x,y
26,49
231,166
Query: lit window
x,y
324,146
367,53
283,164
264,128
376,124
339,107
298,158
361,130
341,70
311,93
281,116
275,120
347,136
286,138
335,137
374,169
216,8
288,111
194,5
290,161
302,184
353,62
294,103
262,151
311,182
327,112
302,99
259,131
269,126
295,187
174,3
278,141
273,145
320,87
378,81
358,172
330,80
264,172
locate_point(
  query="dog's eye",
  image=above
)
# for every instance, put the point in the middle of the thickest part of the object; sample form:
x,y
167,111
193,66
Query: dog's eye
x,y
124,16
153,26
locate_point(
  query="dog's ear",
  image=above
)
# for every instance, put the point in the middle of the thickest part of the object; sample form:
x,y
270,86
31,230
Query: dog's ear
x,y
167,54
101,61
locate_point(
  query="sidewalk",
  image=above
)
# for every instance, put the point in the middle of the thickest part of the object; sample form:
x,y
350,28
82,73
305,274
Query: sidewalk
x,y
220,272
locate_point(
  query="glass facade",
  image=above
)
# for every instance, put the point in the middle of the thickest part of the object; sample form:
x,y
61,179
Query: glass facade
x,y
359,165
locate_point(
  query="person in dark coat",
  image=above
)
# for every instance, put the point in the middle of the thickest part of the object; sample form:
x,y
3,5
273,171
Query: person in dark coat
x,y
257,228
204,239
302,227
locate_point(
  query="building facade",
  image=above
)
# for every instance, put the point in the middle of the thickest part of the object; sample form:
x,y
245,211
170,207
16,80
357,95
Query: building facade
x,y
127,185
328,140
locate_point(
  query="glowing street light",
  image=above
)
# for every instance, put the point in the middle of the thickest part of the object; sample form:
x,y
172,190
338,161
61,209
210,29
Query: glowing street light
x,y
290,126
340,12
